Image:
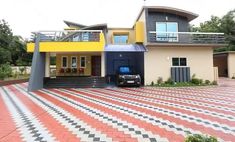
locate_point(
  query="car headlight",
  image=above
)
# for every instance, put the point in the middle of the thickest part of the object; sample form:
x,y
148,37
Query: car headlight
x,y
137,76
121,76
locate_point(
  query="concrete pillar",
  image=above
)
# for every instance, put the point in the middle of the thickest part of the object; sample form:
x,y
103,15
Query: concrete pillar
x,y
38,67
47,65
102,64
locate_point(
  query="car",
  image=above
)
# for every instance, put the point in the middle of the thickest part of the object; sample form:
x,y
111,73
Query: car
x,y
127,77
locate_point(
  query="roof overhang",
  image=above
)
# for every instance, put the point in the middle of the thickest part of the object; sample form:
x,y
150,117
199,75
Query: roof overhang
x,y
125,48
189,15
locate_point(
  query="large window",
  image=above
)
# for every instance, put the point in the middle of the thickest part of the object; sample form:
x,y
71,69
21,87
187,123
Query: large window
x,y
83,62
64,62
166,31
179,61
120,39
73,62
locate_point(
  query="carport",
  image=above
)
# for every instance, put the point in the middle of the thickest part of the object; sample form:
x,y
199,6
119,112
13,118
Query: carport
x,y
124,55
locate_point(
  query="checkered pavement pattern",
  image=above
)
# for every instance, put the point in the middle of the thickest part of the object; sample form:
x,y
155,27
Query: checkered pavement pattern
x,y
145,114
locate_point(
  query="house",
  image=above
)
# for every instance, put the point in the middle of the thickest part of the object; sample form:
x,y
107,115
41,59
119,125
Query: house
x,y
159,44
225,63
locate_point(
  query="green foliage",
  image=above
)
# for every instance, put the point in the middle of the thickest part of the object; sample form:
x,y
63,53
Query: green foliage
x,y
207,82
169,81
200,138
214,83
159,80
5,71
195,80
12,48
22,69
226,25
152,83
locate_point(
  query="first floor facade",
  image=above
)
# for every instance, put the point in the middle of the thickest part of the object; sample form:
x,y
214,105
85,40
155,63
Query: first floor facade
x,y
177,63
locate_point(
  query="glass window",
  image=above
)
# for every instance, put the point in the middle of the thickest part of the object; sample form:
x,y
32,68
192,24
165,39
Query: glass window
x,y
74,62
120,39
64,62
183,62
175,61
85,36
82,62
124,70
179,61
163,27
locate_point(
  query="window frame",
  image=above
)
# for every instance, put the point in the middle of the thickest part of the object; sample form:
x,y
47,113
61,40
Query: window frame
x,y
121,34
72,61
81,61
166,27
62,63
179,62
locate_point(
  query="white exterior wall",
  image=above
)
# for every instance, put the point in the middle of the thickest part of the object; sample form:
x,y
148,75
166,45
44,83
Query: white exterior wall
x,y
231,65
47,65
158,61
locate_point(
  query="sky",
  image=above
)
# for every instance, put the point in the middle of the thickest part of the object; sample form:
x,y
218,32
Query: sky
x,y
26,16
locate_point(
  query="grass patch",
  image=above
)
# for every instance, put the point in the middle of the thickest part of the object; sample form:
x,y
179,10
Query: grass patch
x,y
178,84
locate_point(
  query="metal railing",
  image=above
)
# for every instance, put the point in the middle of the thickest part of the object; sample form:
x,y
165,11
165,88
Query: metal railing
x,y
186,37
68,36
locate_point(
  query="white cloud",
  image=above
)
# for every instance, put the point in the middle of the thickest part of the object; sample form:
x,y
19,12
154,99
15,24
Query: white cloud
x,y
25,16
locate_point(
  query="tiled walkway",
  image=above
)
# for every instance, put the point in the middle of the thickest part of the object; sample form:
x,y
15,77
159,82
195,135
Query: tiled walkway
x,y
114,114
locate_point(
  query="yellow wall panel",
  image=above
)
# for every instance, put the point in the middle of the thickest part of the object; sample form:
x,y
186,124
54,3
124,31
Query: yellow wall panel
x,y
139,32
69,46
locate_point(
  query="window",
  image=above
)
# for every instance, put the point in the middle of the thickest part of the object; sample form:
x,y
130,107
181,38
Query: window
x,y
64,62
83,62
73,62
162,29
179,62
120,39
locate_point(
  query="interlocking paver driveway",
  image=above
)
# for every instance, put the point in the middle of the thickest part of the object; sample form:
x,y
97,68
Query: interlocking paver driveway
x,y
117,114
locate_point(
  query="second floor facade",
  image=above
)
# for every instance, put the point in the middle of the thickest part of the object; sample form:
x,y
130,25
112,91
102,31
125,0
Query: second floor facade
x,y
154,26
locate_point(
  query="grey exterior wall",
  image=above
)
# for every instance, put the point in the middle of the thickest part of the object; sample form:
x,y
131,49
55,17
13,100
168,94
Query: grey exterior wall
x,y
38,68
153,17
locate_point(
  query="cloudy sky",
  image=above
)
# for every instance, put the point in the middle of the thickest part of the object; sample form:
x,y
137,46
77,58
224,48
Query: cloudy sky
x,y
25,16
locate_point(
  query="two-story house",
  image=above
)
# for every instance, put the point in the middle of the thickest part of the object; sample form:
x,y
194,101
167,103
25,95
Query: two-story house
x,y
159,44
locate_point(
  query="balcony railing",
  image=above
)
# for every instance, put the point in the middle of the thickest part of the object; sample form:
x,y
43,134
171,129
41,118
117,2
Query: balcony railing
x,y
68,36
186,37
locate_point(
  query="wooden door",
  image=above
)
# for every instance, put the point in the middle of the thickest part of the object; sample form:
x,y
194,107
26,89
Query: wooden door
x,y
96,65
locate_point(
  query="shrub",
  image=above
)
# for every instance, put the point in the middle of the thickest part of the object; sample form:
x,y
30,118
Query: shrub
x,y
169,81
207,82
195,81
233,77
22,69
152,83
200,138
159,80
214,83
5,71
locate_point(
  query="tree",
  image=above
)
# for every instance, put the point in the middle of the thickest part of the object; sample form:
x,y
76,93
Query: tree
x,y
12,48
226,25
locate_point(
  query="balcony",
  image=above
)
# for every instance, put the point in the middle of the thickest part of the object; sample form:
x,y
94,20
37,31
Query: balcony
x,y
68,41
188,38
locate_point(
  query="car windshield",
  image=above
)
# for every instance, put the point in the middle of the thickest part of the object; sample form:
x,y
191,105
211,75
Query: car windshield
x,y
124,70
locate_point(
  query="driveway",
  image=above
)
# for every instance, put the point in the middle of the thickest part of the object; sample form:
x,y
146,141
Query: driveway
x,y
117,114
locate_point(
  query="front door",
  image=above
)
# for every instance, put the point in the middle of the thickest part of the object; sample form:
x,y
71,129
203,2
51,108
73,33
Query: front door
x,y
96,65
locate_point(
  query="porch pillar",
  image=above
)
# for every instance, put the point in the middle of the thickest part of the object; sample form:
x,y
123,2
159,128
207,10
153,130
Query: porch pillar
x,y
47,65
102,64
38,67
